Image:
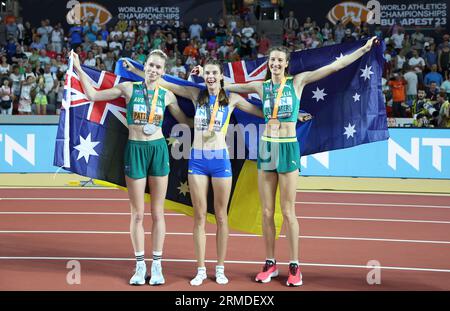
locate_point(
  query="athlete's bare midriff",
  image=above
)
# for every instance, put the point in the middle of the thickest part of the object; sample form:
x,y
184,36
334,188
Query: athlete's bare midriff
x,y
287,129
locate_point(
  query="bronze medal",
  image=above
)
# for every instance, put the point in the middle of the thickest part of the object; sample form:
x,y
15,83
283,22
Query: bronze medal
x,y
274,124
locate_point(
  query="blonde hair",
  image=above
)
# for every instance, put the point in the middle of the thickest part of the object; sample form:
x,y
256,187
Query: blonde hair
x,y
159,53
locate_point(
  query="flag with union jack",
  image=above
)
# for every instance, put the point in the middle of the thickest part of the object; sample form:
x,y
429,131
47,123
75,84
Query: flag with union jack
x,y
90,132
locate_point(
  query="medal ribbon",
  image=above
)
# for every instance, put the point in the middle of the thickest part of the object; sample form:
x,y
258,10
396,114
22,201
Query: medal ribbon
x,y
153,105
277,101
214,113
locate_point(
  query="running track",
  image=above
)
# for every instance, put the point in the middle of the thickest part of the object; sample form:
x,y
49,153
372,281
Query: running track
x,y
42,229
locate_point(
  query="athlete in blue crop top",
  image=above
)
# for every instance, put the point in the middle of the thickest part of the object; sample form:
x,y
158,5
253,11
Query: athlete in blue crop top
x,y
210,161
279,155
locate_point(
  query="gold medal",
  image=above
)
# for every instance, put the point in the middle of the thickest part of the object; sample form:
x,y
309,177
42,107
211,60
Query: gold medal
x,y
208,134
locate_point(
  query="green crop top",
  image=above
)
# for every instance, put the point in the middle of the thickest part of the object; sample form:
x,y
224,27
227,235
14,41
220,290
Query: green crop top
x,y
137,107
289,103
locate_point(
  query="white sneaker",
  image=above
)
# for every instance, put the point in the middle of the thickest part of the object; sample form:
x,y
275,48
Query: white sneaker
x,y
220,276
199,278
139,276
157,277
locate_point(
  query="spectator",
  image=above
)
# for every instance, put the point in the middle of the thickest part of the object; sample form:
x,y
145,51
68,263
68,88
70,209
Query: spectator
x,y
339,32
43,58
191,50
170,44
178,68
25,95
50,84
221,32
348,36
291,23
76,35
127,51
433,76
109,61
3,35
101,42
104,33
444,57
27,34
210,29
397,39
116,33
129,34
57,37
183,42
418,39
418,63
115,46
432,92
412,83
445,86
15,78
158,40
419,102
398,96
12,31
195,29
430,55
6,96
90,60
43,33
264,45
4,67
444,111
37,44
400,60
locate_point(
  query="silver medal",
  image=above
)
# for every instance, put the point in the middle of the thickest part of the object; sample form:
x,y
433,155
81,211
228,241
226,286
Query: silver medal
x,y
149,129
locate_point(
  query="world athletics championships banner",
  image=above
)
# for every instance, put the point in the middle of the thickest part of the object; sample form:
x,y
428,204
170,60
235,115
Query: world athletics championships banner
x,y
110,11
426,14
409,153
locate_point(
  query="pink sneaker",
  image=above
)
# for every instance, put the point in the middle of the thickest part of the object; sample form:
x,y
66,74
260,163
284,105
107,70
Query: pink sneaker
x,y
269,271
295,276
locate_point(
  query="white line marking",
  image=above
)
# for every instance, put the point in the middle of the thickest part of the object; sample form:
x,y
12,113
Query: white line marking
x,y
375,219
64,199
373,204
213,234
81,213
298,190
298,202
175,214
232,262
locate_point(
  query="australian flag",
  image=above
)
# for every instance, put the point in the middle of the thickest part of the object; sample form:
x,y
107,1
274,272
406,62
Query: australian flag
x,y
347,106
90,133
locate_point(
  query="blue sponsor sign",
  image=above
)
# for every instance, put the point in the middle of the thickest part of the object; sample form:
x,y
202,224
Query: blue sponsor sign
x,y
27,148
409,153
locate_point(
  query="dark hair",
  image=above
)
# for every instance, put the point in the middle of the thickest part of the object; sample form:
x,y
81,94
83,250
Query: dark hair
x,y
203,97
279,49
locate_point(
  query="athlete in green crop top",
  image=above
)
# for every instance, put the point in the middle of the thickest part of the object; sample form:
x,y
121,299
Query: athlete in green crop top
x,y
146,157
279,152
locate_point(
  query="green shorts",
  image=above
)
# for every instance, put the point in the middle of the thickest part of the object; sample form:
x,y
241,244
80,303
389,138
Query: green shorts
x,y
281,155
146,158
40,99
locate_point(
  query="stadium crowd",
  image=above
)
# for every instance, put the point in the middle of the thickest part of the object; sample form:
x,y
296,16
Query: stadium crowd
x,y
416,77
